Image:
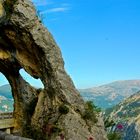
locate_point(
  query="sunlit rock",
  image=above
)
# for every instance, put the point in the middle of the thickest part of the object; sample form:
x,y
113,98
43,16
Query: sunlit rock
x,y
26,43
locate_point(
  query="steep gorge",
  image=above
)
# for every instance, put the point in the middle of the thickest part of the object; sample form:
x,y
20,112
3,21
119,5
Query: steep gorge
x,y
40,113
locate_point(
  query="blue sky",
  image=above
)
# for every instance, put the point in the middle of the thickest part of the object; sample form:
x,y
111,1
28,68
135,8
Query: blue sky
x,y
99,39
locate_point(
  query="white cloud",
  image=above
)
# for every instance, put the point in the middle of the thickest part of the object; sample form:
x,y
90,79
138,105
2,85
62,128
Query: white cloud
x,y
51,6
54,10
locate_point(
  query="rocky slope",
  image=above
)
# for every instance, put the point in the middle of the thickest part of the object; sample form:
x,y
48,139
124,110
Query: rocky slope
x,y
127,113
111,94
55,111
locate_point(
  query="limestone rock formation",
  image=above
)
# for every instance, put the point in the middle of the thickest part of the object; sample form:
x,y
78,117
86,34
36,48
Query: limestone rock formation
x,y
49,113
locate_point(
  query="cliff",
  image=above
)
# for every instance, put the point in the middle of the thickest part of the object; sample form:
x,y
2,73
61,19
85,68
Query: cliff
x,y
55,111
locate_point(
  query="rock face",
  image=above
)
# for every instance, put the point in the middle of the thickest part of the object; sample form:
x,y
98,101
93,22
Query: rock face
x,y
49,113
132,131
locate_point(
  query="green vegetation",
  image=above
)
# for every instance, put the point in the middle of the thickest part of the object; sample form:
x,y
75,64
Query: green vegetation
x,y
108,111
91,112
114,136
36,134
8,6
56,129
63,109
109,123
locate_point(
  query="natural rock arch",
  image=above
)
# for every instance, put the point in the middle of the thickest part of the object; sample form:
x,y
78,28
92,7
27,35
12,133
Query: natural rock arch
x,y
33,82
25,43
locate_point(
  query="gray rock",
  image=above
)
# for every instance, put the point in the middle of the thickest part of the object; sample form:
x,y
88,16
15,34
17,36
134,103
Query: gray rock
x,y
26,43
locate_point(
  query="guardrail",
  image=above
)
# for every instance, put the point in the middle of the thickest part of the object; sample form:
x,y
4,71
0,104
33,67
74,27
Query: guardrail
x,y
6,122
6,115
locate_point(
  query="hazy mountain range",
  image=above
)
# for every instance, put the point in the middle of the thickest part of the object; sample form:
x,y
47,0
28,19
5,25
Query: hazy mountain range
x,y
111,94
5,91
104,96
6,100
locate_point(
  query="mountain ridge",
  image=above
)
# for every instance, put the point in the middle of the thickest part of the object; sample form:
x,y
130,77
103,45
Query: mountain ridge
x,y
5,90
108,95
113,82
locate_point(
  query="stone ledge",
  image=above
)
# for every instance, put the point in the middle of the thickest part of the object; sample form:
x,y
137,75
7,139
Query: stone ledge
x,y
5,136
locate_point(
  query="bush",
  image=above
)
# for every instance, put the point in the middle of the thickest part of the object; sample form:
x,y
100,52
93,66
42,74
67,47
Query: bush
x,y
109,123
56,129
114,136
90,112
63,109
8,6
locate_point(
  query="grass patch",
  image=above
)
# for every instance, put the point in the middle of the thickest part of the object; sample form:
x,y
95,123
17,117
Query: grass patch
x,y
63,109
8,6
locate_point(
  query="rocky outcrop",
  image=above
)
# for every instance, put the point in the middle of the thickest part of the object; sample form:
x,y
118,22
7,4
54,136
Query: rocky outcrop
x,y
55,111
5,136
132,132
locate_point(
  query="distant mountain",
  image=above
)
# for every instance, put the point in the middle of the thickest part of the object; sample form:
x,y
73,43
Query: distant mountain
x,y
6,104
127,113
6,100
111,94
5,91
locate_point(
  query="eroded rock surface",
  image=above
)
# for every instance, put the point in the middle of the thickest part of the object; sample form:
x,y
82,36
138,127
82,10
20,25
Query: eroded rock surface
x,y
132,129
25,43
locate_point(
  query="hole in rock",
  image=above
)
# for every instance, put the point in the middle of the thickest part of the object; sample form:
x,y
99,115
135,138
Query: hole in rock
x,y
37,83
6,99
